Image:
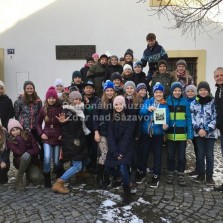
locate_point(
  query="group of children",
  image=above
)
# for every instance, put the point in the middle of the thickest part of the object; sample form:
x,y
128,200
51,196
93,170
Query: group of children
x,y
110,123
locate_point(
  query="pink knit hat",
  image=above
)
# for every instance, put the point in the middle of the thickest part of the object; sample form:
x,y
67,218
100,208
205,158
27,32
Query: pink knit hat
x,y
13,123
51,93
95,55
119,100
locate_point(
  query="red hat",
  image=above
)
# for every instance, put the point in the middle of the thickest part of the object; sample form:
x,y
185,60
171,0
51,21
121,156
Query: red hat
x,y
51,93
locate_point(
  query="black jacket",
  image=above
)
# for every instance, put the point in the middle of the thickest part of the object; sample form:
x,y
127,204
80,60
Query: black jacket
x,y
219,107
6,109
111,69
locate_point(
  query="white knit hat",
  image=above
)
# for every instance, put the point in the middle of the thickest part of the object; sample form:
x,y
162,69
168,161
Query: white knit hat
x,y
58,82
2,84
127,66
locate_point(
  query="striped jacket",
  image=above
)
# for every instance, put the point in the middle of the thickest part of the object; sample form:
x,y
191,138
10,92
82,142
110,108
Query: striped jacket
x,y
180,125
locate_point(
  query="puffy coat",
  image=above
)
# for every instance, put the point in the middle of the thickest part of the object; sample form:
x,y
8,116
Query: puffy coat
x,y
219,107
52,128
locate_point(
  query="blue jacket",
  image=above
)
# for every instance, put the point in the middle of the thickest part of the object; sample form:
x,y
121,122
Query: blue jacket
x,y
148,124
180,127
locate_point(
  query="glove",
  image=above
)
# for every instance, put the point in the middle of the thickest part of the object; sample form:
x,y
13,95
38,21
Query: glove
x,y
25,156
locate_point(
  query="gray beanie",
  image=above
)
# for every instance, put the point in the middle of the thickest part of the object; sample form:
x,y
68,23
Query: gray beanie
x,y
181,62
75,95
191,87
129,83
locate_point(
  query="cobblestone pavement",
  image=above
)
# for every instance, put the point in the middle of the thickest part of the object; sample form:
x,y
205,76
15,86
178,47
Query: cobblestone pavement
x,y
197,203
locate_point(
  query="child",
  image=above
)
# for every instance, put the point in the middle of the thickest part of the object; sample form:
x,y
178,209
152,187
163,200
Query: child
x,y
59,87
96,57
179,132
50,133
25,154
85,69
120,145
6,107
102,115
113,67
128,57
204,123
191,93
141,91
116,78
127,74
77,82
4,155
154,132
73,139
152,54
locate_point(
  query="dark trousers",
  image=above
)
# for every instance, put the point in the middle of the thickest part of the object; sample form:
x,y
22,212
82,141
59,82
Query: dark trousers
x,y
222,144
205,149
179,148
3,176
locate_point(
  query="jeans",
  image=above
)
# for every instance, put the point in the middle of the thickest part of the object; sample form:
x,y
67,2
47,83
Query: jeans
x,y
48,152
179,148
123,170
222,144
75,168
205,148
156,144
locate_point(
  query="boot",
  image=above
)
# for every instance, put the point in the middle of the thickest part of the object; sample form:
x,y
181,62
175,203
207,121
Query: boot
x,y
19,185
106,179
58,186
126,195
47,180
181,179
100,176
170,176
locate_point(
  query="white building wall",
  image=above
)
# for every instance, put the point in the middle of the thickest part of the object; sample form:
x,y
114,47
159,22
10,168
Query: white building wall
x,y
111,25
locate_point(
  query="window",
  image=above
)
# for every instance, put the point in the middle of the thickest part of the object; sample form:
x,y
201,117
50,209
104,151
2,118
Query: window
x,y
157,3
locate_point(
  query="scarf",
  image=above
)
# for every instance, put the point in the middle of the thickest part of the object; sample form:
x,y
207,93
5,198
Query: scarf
x,y
203,100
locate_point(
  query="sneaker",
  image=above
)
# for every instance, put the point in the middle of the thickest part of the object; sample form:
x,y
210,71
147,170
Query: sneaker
x,y
169,179
155,181
140,177
181,179
193,173
200,178
219,188
210,180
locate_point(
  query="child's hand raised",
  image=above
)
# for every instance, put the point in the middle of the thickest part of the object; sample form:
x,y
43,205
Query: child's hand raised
x,y
152,108
62,118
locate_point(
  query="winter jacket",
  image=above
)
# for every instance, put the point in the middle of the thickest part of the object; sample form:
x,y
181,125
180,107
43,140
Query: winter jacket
x,y
6,109
52,128
120,141
180,125
4,151
19,145
84,71
148,122
110,69
219,107
97,74
102,117
152,56
27,114
204,117
73,138
165,79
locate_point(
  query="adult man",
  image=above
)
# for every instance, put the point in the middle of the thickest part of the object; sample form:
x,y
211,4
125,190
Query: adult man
x,y
218,76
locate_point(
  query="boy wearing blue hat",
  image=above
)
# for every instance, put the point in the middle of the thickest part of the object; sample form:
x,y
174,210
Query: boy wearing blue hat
x,y
153,131
180,131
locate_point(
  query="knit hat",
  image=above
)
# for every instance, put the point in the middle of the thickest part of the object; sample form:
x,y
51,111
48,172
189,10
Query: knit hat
x,y
75,95
13,123
103,56
28,83
95,55
127,66
141,86
116,75
90,59
76,73
129,83
158,87
150,36
162,62
58,82
89,83
138,63
191,87
181,62
108,84
2,84
51,93
204,84
129,52
114,56
175,85
119,100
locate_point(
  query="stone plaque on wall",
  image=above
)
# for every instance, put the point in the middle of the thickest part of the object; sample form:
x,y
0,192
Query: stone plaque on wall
x,y
74,52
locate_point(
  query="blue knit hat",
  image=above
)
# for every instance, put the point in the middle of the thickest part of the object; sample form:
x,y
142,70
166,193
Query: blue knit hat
x,y
108,84
138,63
158,87
175,85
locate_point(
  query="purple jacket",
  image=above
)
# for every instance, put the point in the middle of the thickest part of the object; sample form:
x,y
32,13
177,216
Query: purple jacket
x,y
19,145
52,128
